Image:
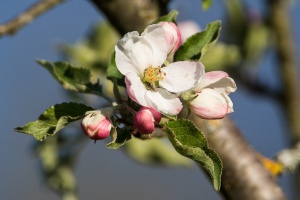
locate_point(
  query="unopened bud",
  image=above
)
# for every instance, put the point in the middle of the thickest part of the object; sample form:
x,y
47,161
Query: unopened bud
x,y
96,126
145,120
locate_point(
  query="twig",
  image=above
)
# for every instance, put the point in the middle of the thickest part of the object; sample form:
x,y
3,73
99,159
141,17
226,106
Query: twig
x,y
281,25
138,13
11,27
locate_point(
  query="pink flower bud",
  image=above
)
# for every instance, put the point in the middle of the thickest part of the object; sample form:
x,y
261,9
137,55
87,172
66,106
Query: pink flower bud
x,y
96,126
145,120
173,35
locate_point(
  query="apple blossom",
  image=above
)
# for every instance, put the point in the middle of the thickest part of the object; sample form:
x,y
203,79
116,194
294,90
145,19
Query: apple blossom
x,y
149,82
212,101
96,126
145,120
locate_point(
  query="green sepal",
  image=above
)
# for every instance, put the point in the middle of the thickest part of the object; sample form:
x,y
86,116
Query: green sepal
x,y
190,142
170,17
72,78
119,137
54,119
198,44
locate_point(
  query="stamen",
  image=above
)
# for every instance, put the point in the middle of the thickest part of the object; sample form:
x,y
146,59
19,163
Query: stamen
x,y
152,76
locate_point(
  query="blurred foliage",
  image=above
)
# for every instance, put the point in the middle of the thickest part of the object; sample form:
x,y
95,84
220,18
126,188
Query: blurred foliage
x,y
248,30
221,56
206,4
57,158
155,152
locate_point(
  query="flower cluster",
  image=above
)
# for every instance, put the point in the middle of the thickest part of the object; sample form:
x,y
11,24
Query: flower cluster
x,y
161,86
153,82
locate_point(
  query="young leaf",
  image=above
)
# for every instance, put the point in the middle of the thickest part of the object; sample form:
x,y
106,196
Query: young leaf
x,y
206,4
198,44
72,78
54,119
189,141
170,17
119,137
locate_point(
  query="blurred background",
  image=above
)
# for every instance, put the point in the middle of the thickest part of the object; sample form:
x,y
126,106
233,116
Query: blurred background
x,y
27,90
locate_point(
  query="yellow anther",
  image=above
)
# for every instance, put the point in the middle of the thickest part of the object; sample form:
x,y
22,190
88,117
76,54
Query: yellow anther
x,y
152,76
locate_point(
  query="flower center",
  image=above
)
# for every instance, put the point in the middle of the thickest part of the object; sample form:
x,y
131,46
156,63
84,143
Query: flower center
x,y
152,76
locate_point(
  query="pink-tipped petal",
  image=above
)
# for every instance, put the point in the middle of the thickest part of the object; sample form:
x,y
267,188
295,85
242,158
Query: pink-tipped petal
x,y
136,90
173,35
210,78
209,104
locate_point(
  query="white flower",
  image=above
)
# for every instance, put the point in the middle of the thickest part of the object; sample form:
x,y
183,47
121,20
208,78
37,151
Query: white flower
x,y
212,101
149,82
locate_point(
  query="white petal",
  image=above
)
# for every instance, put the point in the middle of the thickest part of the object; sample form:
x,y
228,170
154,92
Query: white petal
x,y
182,76
161,100
156,37
209,104
133,54
229,103
210,78
136,90
225,85
164,102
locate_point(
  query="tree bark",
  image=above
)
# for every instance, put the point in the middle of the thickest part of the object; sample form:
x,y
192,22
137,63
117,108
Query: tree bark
x,y
244,176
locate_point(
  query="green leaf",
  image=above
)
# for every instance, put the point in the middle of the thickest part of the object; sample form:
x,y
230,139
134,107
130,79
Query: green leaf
x,y
72,78
189,141
198,44
54,119
206,4
170,17
112,70
119,137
